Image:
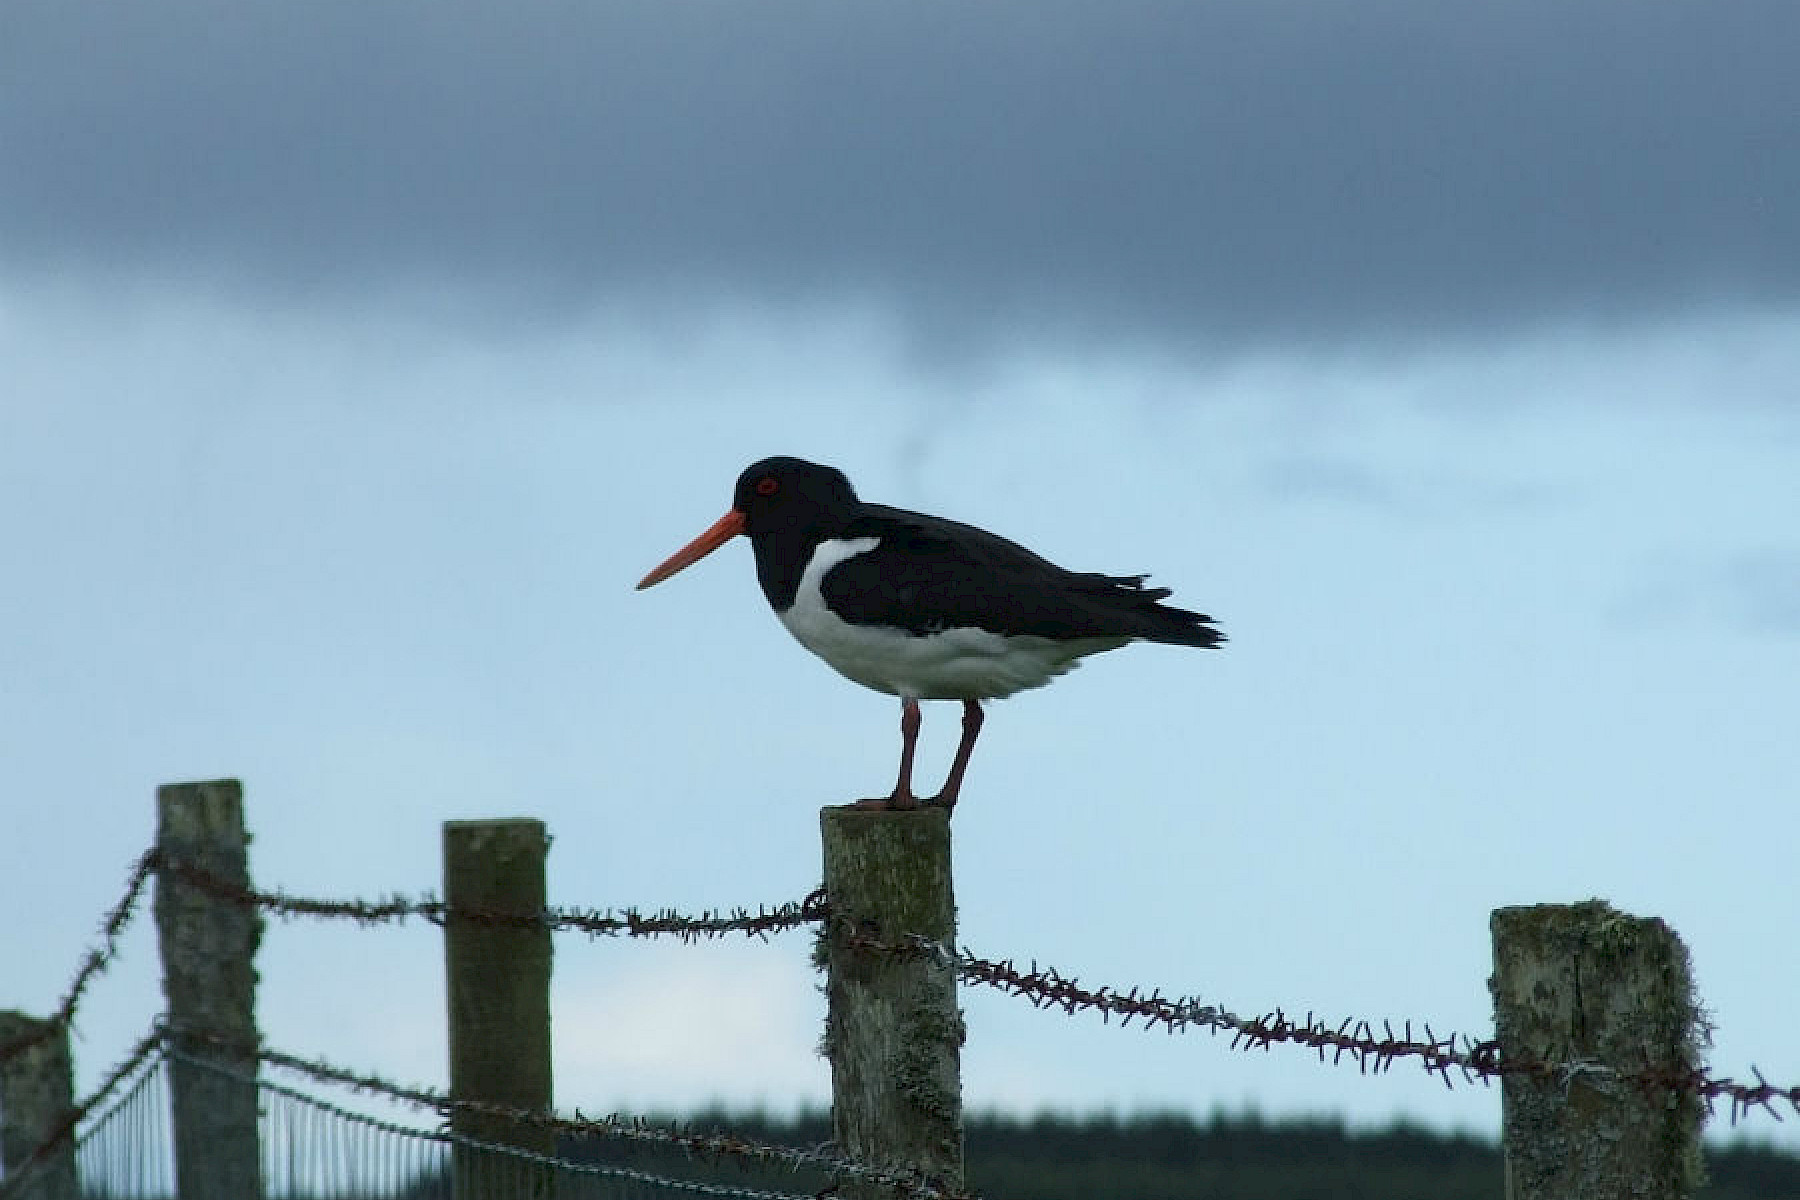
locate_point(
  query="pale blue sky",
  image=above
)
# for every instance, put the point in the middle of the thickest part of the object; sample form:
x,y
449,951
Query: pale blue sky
x,y
350,504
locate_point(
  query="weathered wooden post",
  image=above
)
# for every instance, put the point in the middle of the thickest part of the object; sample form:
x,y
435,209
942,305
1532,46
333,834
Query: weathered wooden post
x,y
498,986
893,1031
1610,998
37,1095
209,981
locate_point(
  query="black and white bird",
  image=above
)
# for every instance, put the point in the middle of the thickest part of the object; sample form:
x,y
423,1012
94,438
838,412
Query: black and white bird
x,y
924,608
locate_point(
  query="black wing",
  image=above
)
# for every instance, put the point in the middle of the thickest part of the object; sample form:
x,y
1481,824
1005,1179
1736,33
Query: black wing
x,y
929,574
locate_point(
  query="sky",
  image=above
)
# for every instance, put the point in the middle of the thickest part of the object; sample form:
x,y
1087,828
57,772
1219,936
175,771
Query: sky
x,y
358,360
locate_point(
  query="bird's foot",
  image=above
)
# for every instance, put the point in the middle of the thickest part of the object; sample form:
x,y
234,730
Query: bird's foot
x,y
945,800
900,801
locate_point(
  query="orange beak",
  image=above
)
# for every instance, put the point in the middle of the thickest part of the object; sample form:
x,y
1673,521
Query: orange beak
x,y
721,531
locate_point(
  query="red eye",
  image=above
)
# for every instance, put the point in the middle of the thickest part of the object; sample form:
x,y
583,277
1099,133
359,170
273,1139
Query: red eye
x,y
767,486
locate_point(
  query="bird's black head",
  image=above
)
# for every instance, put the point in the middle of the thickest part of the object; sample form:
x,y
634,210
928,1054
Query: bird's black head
x,y
792,496
787,506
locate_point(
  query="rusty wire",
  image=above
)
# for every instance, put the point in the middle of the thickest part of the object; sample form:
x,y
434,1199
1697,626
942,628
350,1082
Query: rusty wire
x,y
1374,1050
595,922
1373,1047
93,964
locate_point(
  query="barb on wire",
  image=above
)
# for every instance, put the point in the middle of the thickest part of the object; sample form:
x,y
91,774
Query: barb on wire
x,y
900,1181
628,922
93,964
1044,987
1372,1049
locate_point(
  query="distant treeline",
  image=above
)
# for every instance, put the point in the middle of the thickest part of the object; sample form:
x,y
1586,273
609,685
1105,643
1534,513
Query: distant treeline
x,y
1174,1157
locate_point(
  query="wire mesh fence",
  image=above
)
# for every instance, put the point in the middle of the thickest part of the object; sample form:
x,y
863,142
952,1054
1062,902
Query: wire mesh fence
x,y
315,1147
125,1151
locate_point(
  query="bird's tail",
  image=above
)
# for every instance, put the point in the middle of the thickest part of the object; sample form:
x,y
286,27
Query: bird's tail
x,y
1143,615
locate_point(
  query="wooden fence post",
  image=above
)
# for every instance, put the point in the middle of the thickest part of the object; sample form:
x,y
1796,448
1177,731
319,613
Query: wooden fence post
x,y
1611,995
497,979
37,1094
893,1031
209,981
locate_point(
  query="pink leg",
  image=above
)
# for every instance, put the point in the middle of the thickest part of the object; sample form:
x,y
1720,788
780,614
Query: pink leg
x,y
959,764
903,797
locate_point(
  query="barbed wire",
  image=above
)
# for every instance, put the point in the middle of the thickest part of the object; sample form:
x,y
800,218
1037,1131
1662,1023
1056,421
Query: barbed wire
x,y
93,964
1358,1040
626,922
901,1181
1373,1051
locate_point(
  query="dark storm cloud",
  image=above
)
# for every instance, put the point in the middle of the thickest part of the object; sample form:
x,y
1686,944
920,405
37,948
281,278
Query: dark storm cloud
x,y
1256,169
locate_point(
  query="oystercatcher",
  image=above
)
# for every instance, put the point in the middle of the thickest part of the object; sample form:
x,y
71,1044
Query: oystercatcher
x,y
924,608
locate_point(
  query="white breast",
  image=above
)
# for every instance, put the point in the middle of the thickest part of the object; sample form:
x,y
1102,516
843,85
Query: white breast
x,y
955,664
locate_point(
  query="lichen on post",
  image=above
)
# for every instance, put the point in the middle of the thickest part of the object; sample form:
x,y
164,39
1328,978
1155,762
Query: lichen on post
x,y
893,1031
1606,1001
209,980
37,1099
497,986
